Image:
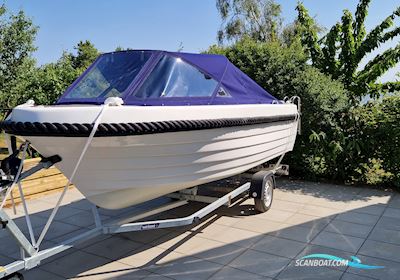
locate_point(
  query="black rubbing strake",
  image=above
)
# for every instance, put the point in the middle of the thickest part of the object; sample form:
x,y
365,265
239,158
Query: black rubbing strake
x,y
124,129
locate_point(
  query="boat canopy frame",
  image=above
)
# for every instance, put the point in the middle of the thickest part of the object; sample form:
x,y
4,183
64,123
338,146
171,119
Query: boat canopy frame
x,y
232,85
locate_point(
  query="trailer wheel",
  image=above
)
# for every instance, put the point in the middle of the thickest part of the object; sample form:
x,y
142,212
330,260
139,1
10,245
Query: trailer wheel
x,y
264,203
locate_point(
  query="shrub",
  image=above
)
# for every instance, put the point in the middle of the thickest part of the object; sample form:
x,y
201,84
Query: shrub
x,y
379,138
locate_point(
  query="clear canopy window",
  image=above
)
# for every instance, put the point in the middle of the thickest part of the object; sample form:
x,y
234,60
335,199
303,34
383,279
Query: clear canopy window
x,y
110,76
172,77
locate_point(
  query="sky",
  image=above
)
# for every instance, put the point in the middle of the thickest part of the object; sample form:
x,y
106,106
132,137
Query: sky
x,y
160,24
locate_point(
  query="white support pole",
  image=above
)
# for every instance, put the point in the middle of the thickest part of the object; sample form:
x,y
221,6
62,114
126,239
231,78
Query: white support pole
x,y
27,217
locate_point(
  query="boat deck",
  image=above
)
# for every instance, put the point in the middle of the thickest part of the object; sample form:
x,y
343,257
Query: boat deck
x,y
232,243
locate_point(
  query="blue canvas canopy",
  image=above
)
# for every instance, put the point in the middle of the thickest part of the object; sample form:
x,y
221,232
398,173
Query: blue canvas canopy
x,y
148,77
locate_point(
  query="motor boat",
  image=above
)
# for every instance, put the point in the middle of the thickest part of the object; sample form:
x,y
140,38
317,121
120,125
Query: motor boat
x,y
158,122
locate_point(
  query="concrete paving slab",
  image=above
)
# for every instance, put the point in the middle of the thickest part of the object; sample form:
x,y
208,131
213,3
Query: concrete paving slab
x,y
358,218
187,267
292,197
309,221
8,246
370,209
75,264
261,226
275,215
287,205
392,213
113,270
385,235
113,248
318,211
260,263
236,236
150,257
62,213
82,219
203,248
329,203
338,241
279,246
217,252
350,276
58,229
298,233
81,245
5,260
390,271
347,228
226,220
395,201
41,274
36,206
82,204
236,274
381,250
389,223
154,276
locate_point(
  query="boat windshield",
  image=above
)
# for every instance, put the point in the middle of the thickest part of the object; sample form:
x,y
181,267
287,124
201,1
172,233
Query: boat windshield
x,y
110,75
173,77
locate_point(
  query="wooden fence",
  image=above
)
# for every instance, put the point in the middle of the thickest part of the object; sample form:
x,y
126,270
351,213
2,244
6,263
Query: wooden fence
x,y
43,182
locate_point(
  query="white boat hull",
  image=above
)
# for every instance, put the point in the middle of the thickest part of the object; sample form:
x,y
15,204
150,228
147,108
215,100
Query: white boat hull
x,y
121,171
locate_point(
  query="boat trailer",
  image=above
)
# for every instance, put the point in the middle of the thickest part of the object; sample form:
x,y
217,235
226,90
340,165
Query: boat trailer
x,y
260,188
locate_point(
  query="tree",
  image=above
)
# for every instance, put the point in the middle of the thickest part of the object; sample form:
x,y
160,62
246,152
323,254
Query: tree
x,y
258,19
341,50
86,54
49,81
17,34
46,83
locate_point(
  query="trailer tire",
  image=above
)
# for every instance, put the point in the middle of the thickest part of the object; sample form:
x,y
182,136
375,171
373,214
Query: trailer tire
x,y
264,203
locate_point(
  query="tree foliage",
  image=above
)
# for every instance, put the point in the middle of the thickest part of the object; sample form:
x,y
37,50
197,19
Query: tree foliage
x,y
51,80
46,83
86,53
340,51
258,19
20,78
17,34
379,159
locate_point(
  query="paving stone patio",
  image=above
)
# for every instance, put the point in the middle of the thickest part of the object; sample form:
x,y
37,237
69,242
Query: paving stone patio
x,y
231,243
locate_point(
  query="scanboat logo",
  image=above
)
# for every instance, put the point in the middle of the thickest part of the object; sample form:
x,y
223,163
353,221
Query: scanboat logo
x,y
330,260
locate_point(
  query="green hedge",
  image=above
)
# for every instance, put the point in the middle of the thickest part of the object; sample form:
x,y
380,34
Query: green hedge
x,y
379,139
